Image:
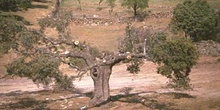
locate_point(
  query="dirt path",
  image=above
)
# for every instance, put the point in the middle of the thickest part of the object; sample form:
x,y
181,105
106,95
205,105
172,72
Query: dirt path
x,y
120,78
205,78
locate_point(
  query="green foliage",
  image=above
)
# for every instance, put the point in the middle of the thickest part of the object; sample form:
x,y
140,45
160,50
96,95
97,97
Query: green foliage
x,y
40,68
196,19
176,58
80,63
111,3
14,5
59,22
95,52
43,1
154,41
28,38
134,40
135,5
134,43
24,4
33,62
10,26
134,65
63,82
217,30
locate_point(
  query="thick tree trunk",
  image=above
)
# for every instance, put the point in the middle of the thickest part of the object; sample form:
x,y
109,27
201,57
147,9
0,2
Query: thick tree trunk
x,y
100,76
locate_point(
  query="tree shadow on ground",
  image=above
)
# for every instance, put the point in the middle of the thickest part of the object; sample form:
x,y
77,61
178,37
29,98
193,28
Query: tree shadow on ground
x,y
26,103
39,6
14,7
23,100
178,95
151,102
42,1
19,92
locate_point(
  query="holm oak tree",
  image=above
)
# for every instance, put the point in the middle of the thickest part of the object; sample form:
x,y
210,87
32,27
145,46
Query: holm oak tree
x,y
40,55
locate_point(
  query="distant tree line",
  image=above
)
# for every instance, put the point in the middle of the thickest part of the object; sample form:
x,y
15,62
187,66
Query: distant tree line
x,y
14,5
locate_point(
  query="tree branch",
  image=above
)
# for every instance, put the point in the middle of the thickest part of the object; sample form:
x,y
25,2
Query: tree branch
x,y
120,57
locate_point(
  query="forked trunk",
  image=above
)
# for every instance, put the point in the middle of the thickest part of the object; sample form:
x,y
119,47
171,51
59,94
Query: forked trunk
x,y
135,10
100,76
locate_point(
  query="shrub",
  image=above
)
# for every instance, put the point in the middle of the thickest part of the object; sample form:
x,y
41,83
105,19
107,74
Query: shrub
x,y
63,82
60,22
176,58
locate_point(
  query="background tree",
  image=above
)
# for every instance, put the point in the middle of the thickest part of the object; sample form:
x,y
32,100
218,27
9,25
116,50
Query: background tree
x,y
111,3
14,5
135,5
217,29
100,1
196,19
80,4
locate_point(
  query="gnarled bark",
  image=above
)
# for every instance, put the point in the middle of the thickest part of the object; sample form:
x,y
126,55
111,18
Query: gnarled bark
x,y
100,69
100,76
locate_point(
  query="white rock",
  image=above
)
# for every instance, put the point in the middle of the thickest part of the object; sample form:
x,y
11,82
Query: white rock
x,y
104,61
66,52
94,24
95,16
76,42
106,24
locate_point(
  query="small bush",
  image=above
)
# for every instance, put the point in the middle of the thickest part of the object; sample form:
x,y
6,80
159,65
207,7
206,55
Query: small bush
x,y
60,22
63,82
134,65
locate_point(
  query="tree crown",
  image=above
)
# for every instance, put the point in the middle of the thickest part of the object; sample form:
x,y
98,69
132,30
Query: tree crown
x,y
196,19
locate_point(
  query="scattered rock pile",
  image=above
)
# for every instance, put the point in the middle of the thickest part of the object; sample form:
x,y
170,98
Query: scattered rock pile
x,y
159,15
161,6
94,20
208,48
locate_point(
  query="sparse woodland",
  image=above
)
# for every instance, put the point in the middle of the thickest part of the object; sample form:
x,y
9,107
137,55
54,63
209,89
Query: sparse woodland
x,y
39,55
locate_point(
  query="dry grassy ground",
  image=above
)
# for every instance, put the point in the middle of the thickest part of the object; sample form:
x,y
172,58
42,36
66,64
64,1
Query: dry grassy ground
x,y
144,91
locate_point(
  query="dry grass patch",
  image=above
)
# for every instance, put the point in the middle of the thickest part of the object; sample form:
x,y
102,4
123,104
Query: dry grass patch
x,y
102,37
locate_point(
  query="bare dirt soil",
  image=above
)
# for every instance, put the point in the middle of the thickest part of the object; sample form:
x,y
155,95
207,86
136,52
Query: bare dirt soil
x,y
146,91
